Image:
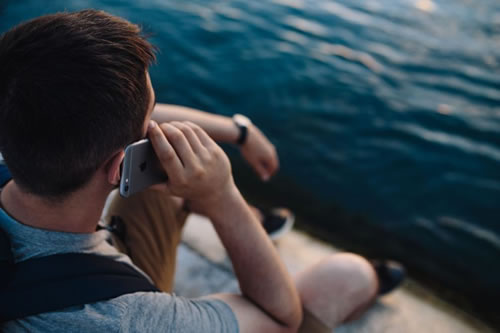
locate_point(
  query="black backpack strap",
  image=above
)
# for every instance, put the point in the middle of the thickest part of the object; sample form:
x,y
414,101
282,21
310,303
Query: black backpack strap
x,y
6,259
58,281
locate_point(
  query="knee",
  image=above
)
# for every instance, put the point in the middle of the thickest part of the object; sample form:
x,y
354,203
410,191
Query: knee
x,y
353,272
345,275
337,286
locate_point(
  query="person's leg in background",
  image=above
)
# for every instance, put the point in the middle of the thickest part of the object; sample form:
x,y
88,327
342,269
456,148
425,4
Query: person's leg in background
x,y
334,290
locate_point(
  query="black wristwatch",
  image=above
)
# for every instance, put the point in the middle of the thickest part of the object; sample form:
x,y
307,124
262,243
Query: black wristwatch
x,y
242,122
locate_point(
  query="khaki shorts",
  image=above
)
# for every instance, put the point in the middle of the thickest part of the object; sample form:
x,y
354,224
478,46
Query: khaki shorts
x,y
153,224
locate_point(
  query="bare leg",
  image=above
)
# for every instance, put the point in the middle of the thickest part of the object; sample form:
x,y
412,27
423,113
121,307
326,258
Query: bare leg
x,y
332,291
336,288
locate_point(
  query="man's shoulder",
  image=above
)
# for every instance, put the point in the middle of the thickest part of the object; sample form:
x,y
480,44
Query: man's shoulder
x,y
103,316
135,312
154,311
100,316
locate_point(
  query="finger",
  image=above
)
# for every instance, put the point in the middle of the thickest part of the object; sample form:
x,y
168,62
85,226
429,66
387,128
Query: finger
x,y
164,150
205,140
180,143
269,169
261,170
190,135
272,164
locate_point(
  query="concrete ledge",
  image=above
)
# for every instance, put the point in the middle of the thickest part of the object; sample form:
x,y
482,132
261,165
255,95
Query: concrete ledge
x,y
204,268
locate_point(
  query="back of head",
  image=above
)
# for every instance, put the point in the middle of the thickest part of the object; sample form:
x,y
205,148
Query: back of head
x,y
72,91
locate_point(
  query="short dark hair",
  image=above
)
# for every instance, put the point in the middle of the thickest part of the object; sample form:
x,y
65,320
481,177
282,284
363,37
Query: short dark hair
x,y
73,90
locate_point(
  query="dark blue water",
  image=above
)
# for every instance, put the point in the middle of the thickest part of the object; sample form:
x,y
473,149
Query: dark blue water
x,y
386,114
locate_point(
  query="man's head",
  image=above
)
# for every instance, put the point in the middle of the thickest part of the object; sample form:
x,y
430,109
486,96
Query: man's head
x,y
74,90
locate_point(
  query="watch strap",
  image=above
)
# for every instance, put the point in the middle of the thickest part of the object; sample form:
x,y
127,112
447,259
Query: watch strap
x,y
242,138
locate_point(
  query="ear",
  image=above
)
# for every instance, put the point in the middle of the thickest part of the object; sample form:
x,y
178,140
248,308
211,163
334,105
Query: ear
x,y
113,167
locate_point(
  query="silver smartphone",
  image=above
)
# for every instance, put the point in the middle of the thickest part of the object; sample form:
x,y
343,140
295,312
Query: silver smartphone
x,y
140,168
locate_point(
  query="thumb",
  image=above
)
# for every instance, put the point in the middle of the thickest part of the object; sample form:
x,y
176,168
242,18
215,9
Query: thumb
x,y
262,171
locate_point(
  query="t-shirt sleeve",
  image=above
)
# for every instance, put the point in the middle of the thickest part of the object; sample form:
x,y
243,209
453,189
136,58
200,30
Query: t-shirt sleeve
x,y
162,312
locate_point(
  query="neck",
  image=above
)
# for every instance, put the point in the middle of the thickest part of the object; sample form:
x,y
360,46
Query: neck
x,y
79,213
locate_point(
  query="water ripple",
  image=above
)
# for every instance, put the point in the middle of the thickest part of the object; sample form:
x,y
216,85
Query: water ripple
x,y
306,25
484,235
468,145
350,54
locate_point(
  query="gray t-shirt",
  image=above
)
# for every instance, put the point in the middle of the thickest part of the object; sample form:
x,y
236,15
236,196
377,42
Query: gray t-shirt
x,y
137,312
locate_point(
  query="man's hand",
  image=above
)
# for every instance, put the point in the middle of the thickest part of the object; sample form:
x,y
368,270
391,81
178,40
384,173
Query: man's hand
x,y
260,153
198,169
257,150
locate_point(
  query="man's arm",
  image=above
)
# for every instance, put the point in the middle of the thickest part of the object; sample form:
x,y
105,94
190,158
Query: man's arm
x,y
270,302
201,173
259,152
219,128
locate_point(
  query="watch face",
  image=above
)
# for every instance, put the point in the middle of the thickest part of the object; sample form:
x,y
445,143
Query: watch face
x,y
241,120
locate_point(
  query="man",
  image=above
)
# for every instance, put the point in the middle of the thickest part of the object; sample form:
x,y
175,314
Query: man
x,y
74,92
